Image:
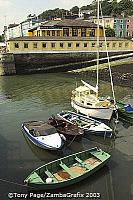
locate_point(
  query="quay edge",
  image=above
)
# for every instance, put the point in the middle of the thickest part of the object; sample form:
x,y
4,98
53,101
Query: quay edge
x,y
29,63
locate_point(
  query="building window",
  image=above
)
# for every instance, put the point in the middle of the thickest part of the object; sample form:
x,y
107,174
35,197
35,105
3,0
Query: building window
x,y
85,44
107,44
44,45
121,26
48,33
43,33
53,33
120,44
92,33
74,32
69,44
83,32
128,20
58,33
16,45
100,44
65,32
77,44
61,45
93,44
25,45
114,44
35,45
127,26
53,45
126,44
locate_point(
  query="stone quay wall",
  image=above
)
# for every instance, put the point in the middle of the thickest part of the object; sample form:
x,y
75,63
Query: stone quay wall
x,y
29,63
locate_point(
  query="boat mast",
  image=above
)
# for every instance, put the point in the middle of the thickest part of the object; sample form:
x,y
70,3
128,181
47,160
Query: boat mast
x,y
110,72
97,46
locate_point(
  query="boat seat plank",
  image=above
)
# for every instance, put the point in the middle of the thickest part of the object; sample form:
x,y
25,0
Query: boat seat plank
x,y
37,178
50,175
89,167
68,170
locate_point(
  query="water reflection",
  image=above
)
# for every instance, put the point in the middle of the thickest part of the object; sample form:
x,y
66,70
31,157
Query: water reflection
x,y
37,97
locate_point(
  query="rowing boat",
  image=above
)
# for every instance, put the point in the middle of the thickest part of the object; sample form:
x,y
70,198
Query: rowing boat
x,y
67,170
88,124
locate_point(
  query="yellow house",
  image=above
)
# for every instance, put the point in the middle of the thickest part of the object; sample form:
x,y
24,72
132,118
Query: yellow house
x,y
67,28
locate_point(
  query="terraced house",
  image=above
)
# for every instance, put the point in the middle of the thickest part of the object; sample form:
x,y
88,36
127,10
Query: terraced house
x,y
65,36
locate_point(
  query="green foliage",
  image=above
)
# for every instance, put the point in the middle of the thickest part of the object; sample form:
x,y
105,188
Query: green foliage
x,y
109,8
2,38
75,10
110,32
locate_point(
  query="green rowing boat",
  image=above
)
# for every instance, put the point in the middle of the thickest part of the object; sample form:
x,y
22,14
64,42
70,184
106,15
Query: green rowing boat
x,y
125,110
67,170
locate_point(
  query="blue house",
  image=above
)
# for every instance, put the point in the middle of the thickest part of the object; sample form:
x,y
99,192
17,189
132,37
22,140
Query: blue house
x,y
120,27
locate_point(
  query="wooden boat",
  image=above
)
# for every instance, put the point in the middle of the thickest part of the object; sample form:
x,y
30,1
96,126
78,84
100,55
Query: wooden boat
x,y
62,126
88,124
67,170
43,135
125,110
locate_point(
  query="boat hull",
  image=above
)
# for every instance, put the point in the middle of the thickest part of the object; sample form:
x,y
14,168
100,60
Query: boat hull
x,y
37,185
36,142
99,113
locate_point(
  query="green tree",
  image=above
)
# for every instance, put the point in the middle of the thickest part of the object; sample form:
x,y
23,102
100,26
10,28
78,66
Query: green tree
x,y
110,32
74,10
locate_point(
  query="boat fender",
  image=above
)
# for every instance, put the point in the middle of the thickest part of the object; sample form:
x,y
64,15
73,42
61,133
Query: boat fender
x,y
49,180
63,137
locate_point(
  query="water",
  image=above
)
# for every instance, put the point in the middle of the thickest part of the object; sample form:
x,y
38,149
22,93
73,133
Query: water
x,y
37,97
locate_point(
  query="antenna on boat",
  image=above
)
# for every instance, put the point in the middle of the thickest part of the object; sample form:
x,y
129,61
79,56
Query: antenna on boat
x,y
111,78
97,46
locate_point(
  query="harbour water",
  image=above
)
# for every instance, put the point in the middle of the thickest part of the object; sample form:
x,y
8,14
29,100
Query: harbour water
x,y
37,97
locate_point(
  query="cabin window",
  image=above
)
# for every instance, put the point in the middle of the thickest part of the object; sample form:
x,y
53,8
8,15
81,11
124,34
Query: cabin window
x,y
16,45
69,44
61,44
25,45
85,44
53,45
89,104
93,44
77,44
44,45
35,45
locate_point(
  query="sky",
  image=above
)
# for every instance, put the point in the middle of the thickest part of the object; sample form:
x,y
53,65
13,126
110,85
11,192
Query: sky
x,y
15,11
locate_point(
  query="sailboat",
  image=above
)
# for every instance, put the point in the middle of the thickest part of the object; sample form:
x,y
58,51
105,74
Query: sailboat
x,y
85,98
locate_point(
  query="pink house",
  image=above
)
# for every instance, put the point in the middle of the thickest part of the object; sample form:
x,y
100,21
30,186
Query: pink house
x,y
129,26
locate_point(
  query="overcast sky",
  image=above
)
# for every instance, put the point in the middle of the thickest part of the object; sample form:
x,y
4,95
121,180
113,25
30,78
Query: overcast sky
x,y
15,11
